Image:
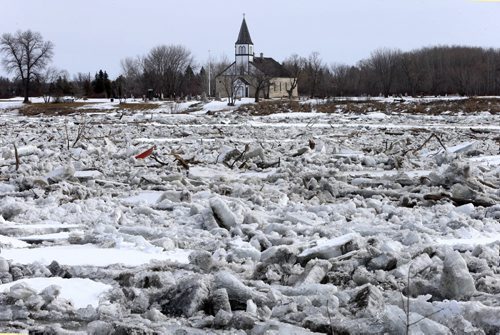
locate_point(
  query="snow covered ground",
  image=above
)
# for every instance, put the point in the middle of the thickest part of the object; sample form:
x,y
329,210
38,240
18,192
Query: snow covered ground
x,y
292,223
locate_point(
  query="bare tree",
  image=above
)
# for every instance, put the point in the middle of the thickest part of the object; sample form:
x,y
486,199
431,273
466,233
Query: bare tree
x,y
164,67
226,73
229,78
26,54
340,78
47,80
313,70
132,71
83,84
384,62
260,79
295,66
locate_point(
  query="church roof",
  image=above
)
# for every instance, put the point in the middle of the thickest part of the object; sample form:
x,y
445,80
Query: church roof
x,y
270,67
244,35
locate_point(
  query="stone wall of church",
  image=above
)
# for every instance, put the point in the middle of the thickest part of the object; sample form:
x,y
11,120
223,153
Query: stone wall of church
x,y
279,87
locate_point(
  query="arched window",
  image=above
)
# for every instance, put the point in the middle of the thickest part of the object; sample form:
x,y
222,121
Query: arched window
x,y
241,51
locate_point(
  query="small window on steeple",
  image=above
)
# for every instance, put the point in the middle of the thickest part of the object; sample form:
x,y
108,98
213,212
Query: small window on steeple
x,y
241,51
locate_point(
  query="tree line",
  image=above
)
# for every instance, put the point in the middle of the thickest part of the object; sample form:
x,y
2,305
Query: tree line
x,y
438,70
169,71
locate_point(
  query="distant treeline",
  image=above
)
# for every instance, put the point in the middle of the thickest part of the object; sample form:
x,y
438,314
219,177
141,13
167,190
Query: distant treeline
x,y
436,70
170,71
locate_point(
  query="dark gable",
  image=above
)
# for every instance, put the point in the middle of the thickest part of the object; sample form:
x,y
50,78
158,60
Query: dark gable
x,y
270,67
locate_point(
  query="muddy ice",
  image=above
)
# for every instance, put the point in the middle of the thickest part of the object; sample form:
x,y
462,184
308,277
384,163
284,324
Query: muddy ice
x,y
293,223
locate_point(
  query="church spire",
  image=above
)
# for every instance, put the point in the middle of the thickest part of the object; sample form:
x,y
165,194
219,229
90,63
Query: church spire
x,y
244,35
243,48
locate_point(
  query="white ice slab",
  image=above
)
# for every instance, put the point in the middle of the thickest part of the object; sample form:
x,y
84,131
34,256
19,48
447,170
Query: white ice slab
x,y
87,174
469,243
11,228
81,292
328,248
222,172
145,198
47,237
12,242
75,255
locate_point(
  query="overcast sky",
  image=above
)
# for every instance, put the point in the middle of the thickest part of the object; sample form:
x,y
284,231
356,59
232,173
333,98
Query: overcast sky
x,y
96,34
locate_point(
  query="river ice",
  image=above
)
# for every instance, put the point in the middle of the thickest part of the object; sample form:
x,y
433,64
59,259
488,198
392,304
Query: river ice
x,y
292,223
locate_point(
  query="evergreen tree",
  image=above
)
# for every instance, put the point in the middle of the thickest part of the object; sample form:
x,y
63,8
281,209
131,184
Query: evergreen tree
x,y
107,85
101,84
98,83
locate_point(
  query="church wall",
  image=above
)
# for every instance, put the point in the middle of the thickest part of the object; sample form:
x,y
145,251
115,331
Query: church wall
x,y
275,91
279,88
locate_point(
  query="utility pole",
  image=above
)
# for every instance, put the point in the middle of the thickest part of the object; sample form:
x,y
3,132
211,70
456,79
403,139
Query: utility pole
x,y
209,74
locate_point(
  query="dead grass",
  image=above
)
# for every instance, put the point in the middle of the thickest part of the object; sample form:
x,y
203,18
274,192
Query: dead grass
x,y
80,107
267,107
470,105
141,106
52,108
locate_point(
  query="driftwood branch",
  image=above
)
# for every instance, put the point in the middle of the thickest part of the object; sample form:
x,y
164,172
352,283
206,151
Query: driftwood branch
x,y
240,156
265,165
180,160
155,157
427,140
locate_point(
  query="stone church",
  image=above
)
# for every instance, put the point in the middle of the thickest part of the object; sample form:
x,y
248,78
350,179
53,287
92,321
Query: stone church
x,y
249,74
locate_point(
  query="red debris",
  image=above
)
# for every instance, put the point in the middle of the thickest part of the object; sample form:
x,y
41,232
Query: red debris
x,y
146,153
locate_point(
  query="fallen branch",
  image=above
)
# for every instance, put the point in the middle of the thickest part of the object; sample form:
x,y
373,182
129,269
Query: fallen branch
x,y
155,157
240,156
180,160
300,152
427,140
82,128
265,165
480,131
479,201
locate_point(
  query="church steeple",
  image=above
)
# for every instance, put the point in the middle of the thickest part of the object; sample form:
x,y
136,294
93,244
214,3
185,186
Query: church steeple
x,y
243,48
244,35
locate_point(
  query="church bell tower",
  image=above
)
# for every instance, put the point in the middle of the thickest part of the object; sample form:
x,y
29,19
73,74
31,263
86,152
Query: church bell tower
x,y
243,48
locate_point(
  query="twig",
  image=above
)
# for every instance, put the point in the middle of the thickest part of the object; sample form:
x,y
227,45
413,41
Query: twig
x,y
408,300
66,130
329,316
17,157
155,157
81,131
425,317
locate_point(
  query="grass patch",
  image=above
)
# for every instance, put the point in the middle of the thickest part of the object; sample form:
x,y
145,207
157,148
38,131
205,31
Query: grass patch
x,y
66,108
51,108
140,106
436,107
